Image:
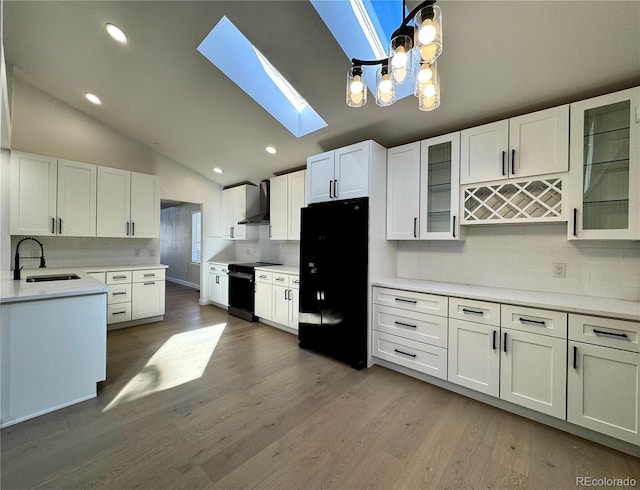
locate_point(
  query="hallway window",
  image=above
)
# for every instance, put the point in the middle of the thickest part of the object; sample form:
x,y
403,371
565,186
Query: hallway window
x,y
196,240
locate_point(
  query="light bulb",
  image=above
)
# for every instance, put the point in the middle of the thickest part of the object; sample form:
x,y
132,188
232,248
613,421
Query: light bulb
x,y
399,75
385,85
427,32
428,52
356,98
425,74
428,103
356,85
429,90
399,59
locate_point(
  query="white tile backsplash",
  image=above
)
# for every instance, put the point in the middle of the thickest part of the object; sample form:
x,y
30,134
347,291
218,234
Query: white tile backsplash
x,y
522,257
266,250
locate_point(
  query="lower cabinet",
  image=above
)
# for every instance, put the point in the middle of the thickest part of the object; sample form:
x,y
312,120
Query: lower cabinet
x,y
422,357
218,284
276,298
604,376
147,299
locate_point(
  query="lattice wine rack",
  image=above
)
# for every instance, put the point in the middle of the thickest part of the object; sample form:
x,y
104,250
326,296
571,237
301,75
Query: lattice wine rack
x,y
529,201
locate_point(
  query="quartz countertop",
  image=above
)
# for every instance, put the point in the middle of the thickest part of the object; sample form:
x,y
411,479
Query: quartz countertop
x,y
282,269
572,303
12,291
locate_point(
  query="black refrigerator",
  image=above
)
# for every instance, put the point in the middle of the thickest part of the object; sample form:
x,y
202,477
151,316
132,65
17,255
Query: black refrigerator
x,y
333,279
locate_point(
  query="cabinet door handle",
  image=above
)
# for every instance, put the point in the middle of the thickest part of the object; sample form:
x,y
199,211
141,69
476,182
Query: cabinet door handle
x,y
535,323
575,357
133,228
263,276
233,232
335,189
415,227
119,277
152,274
330,189
217,279
406,324
279,278
575,221
494,340
296,281
454,226
472,312
405,353
503,155
411,301
513,161
127,228
59,226
53,226
119,293
602,333
269,231
148,283
505,342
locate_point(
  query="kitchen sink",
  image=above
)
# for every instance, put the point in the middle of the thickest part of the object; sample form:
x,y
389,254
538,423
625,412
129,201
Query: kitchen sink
x,y
53,277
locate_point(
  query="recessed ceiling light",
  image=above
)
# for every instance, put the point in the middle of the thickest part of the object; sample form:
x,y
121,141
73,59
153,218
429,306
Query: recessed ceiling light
x,y
217,170
92,98
116,33
271,149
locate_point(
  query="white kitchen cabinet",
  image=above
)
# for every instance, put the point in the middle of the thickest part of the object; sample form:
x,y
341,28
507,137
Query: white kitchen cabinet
x,y
276,297
604,179
423,190
218,283
239,203
52,197
603,376
147,293
287,198
263,300
528,145
128,204
339,174
280,313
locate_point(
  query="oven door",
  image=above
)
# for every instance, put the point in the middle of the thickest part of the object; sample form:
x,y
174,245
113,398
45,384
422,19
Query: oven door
x,y
241,291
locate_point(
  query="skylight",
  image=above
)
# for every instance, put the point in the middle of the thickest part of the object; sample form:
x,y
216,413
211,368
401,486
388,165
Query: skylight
x,y
233,54
363,29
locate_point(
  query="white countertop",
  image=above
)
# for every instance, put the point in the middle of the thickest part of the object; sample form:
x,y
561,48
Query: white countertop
x,y
12,291
572,303
282,269
105,268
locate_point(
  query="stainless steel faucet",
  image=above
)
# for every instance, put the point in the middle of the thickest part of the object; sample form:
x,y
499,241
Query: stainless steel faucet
x,y
16,265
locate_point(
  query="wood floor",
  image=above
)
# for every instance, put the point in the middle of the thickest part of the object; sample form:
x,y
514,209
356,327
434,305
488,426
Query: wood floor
x,y
261,413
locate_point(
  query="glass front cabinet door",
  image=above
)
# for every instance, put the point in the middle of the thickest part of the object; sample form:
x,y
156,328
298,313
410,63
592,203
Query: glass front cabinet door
x,y
439,188
604,173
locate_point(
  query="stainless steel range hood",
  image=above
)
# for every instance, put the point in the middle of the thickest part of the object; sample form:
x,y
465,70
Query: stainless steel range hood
x,y
262,218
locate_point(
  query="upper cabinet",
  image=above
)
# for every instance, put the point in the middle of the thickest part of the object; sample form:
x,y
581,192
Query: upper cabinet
x,y
128,204
287,198
339,174
529,145
239,203
422,190
605,167
52,197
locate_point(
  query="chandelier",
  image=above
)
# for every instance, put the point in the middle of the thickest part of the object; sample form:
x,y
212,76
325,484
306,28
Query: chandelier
x,y
422,42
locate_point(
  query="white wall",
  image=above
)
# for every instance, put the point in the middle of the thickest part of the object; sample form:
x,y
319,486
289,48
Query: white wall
x,y
44,125
522,257
175,244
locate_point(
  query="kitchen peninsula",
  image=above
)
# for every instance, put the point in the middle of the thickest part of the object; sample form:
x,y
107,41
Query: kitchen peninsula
x,y
52,343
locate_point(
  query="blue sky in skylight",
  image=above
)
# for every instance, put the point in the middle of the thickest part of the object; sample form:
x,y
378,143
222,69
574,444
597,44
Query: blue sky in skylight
x,y
233,54
344,19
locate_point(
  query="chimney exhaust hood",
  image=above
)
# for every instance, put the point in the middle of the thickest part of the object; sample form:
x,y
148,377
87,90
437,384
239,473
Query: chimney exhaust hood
x,y
262,218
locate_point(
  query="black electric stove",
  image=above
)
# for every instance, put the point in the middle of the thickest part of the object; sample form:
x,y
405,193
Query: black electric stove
x,y
242,289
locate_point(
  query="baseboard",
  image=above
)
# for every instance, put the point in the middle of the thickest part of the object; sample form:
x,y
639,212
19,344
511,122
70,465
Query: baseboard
x,y
133,323
183,283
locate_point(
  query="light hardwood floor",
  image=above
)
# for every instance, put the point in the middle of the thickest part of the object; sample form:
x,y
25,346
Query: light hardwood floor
x,y
205,400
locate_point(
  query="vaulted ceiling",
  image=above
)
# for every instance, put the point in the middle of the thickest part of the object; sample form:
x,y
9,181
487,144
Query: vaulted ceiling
x,y
500,58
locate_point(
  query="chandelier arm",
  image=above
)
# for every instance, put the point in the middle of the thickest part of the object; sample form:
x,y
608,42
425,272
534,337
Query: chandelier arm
x,y
357,62
412,14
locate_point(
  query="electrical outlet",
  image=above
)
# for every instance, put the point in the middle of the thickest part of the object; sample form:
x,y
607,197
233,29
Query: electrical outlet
x,y
560,270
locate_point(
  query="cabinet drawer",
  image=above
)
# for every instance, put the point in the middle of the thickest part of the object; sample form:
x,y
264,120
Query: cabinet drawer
x,y
294,282
475,311
420,327
148,275
118,277
119,313
214,268
280,279
264,276
620,334
120,293
425,358
410,300
534,320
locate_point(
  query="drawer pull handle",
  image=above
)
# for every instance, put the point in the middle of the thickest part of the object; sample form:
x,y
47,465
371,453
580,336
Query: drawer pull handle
x,y
118,313
119,277
607,334
149,283
119,293
535,323
263,276
296,281
402,300
406,325
472,312
405,353
150,275
279,278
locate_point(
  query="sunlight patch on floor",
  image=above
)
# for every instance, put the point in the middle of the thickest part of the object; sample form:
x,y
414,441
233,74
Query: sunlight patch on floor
x,y
181,359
